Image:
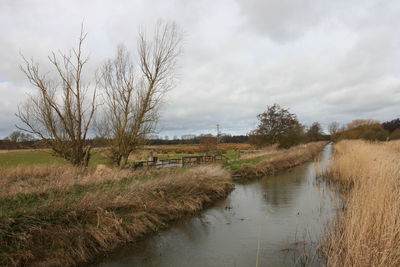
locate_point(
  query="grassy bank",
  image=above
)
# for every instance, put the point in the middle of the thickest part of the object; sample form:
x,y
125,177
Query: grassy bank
x,y
367,231
59,216
276,160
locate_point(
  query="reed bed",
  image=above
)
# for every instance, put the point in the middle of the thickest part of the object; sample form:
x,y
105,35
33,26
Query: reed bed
x,y
64,216
366,232
283,160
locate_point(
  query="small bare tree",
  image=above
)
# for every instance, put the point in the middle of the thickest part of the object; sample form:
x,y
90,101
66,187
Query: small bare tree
x,y
61,113
333,128
133,91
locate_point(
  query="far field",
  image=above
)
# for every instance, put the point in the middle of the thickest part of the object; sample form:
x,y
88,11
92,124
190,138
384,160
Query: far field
x,y
29,157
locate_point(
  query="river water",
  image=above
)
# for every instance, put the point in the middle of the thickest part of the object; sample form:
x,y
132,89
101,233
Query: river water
x,y
273,221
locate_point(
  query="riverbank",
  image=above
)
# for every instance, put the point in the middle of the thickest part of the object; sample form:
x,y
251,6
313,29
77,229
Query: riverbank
x,y
276,161
366,232
63,216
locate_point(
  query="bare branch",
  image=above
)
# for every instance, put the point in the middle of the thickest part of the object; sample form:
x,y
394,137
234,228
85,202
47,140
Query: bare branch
x,y
60,114
133,91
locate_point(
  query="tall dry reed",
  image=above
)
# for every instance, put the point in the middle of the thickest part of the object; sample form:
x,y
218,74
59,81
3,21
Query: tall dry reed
x,y
367,231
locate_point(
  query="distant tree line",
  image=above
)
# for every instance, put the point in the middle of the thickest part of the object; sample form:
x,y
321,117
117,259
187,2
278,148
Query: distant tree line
x,y
367,129
277,125
21,140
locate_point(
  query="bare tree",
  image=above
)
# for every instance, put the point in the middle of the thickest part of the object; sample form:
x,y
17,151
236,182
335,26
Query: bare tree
x,y
18,136
133,91
61,112
333,128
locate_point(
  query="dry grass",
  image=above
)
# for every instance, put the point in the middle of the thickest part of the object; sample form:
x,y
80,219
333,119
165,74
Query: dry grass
x,y
67,216
367,231
39,178
283,160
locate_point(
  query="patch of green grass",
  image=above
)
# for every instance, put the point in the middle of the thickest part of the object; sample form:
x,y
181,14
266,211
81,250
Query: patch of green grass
x,y
231,154
38,157
235,164
12,159
96,158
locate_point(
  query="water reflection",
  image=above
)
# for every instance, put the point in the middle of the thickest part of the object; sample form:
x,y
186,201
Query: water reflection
x,y
266,221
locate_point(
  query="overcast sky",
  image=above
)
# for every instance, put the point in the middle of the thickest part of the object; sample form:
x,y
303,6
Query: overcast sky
x,y
324,60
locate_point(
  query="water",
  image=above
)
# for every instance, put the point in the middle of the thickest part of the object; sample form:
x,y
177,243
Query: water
x,y
267,222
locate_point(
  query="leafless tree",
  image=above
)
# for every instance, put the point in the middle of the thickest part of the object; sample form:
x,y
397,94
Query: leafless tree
x,y
333,128
18,136
62,111
133,90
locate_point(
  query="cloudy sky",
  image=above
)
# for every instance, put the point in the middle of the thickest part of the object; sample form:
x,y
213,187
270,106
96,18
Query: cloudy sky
x,y
325,60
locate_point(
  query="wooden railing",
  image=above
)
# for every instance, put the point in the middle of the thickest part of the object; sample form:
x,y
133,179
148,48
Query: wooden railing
x,y
176,162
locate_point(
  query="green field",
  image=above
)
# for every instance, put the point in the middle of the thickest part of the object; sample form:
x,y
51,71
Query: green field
x,y
38,157
28,158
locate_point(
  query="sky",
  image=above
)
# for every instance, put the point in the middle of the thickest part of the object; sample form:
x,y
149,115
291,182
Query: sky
x,y
324,60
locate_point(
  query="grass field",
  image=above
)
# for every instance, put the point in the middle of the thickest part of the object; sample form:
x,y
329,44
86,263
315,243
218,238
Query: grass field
x,y
15,158
40,157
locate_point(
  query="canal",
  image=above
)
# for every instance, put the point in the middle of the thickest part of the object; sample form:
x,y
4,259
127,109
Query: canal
x,y
273,221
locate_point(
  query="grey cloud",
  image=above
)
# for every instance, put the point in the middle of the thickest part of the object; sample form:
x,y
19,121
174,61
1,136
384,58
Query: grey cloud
x,y
283,20
325,60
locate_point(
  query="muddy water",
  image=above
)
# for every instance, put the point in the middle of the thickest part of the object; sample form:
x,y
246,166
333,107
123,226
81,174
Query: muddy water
x,y
273,221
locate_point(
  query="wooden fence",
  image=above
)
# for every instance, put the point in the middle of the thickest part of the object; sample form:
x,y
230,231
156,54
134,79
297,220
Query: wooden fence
x,y
177,162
